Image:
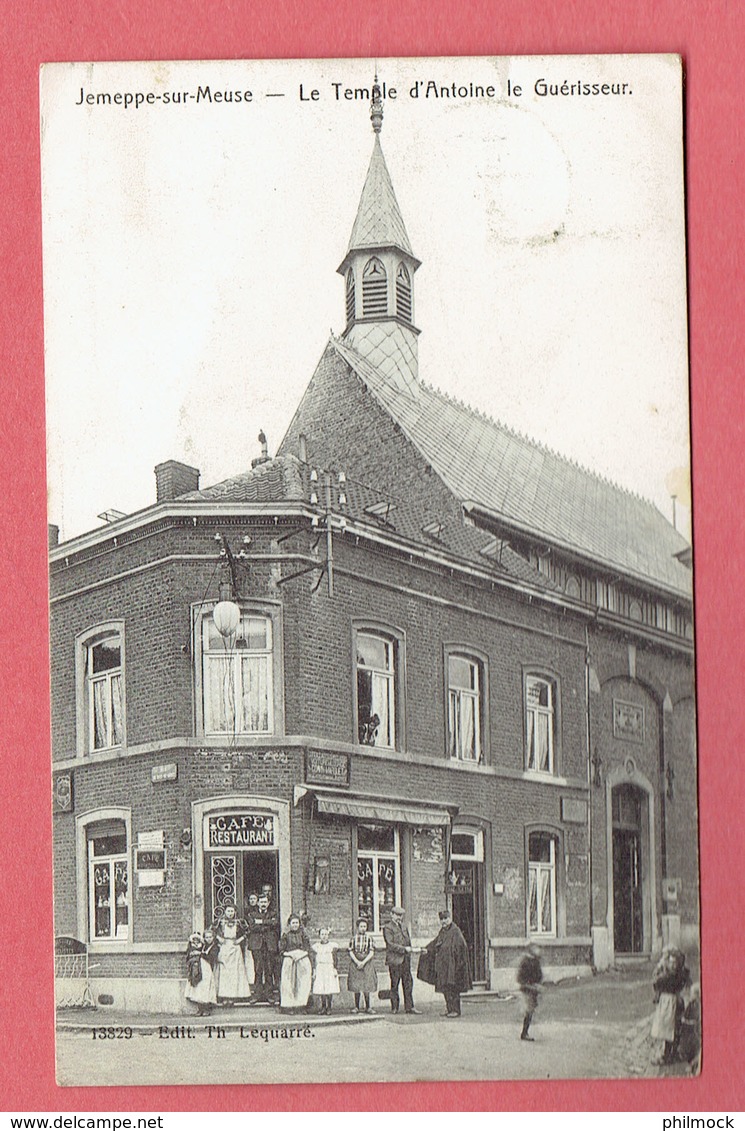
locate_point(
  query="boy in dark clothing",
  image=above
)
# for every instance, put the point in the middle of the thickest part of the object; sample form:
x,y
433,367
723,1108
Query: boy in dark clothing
x,y
529,978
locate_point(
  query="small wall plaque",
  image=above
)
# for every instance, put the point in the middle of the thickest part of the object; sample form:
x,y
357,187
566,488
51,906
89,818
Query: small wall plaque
x,y
574,810
326,767
62,795
168,772
628,721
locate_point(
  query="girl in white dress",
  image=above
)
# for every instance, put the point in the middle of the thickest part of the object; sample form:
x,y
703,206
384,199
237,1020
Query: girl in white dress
x,y
326,978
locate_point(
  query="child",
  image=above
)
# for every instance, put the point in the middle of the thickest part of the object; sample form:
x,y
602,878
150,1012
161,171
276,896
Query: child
x,y
325,979
671,976
200,980
529,978
362,979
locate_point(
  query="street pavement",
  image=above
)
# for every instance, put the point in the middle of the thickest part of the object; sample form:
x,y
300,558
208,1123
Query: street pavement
x,y
592,1027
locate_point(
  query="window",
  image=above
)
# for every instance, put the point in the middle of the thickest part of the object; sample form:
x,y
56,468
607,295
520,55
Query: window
x,y
374,289
99,676
108,881
403,293
104,675
542,884
378,874
540,697
464,708
376,690
350,295
237,677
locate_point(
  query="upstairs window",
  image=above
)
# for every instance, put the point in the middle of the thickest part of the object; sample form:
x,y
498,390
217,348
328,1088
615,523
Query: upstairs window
x,y
542,884
237,677
100,689
350,295
374,289
540,724
376,690
403,293
464,708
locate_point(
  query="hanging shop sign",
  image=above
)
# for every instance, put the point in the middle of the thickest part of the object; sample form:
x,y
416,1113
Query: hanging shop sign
x,y
150,859
326,767
240,830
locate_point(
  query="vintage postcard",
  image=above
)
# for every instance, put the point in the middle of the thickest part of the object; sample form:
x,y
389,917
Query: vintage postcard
x,y
371,582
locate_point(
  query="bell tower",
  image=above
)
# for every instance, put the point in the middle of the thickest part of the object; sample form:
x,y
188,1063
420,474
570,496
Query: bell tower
x,y
378,271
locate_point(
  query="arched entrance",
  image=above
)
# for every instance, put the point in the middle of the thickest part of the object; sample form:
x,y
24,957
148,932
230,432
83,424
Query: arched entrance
x,y
631,871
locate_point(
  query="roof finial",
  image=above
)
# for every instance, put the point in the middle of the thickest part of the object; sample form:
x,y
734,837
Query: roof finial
x,y
376,109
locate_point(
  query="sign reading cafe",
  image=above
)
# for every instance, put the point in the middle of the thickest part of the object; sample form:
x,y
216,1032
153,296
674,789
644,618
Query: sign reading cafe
x,y
241,830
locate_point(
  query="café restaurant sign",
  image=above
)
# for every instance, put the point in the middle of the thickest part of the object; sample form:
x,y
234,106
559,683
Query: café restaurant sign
x,y
241,830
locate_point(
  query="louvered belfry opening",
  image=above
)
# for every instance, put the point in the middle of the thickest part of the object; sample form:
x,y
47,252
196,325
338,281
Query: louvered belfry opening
x,y
374,289
403,293
350,296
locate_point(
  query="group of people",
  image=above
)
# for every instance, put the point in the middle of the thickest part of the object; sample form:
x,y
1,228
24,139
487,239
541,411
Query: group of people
x,y
246,959
236,959
676,1002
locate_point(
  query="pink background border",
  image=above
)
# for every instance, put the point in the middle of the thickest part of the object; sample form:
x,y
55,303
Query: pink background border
x,y
707,33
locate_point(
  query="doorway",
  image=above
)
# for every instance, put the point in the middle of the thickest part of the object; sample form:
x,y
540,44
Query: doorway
x,y
230,877
466,888
629,804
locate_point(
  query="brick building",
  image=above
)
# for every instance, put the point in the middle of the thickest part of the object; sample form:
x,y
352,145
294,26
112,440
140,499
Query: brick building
x,y
459,673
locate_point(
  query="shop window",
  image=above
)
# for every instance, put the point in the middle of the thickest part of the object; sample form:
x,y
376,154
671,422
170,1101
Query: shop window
x,y
374,289
238,692
542,884
108,882
540,724
465,711
100,688
378,874
376,689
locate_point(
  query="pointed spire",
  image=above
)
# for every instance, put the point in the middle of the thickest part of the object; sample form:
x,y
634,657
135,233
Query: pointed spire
x,y
376,110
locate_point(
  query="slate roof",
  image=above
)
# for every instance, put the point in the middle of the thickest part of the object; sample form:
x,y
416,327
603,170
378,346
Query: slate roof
x,y
530,488
285,479
379,222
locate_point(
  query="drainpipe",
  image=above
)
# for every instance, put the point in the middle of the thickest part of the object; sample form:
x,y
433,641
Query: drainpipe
x,y
588,740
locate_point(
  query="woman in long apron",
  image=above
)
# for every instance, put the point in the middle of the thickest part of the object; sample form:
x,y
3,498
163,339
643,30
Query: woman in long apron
x,y
232,980
297,970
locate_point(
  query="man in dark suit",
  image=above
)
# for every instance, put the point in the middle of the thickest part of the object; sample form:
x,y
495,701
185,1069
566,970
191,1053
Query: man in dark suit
x,y
398,960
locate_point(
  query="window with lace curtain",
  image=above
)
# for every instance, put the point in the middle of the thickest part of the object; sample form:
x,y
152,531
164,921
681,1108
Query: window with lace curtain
x,y
465,690
101,709
540,724
237,677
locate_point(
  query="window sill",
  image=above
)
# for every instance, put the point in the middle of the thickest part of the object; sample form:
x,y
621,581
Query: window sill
x,y
111,946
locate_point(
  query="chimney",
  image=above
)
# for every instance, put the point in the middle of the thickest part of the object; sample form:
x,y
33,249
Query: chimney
x,y
53,535
173,479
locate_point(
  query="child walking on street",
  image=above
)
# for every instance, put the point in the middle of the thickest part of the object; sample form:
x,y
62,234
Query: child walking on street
x,y
325,978
529,978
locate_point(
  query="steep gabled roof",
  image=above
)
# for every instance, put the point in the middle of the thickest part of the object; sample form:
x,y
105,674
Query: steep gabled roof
x,y
528,488
379,222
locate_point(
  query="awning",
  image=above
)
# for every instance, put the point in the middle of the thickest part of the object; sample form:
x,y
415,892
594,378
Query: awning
x,y
373,810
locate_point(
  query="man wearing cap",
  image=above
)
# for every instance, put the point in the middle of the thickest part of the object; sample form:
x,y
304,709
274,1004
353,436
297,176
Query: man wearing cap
x,y
449,958
398,960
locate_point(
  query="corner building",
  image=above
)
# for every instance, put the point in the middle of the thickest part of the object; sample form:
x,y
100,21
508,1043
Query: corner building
x,y
460,675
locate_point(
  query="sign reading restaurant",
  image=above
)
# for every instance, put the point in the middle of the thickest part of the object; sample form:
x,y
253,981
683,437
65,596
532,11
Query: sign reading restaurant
x,y
241,830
